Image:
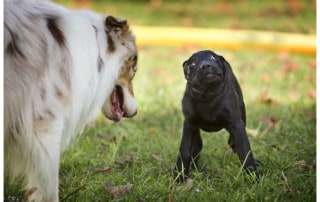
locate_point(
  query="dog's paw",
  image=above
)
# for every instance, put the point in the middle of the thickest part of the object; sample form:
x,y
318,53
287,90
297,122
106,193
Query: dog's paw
x,y
179,177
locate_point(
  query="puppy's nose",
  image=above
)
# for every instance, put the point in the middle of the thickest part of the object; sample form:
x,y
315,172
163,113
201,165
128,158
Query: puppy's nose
x,y
205,65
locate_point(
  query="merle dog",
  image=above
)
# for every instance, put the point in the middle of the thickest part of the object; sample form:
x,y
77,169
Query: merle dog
x,y
212,101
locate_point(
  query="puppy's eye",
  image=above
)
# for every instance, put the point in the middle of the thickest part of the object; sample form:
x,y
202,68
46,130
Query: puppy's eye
x,y
192,64
212,58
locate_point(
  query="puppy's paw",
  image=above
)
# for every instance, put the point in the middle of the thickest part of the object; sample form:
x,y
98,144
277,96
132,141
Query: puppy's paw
x,y
179,177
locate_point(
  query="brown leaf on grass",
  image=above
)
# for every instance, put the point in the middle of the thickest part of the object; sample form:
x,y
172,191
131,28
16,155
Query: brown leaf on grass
x,y
312,94
112,139
129,159
104,170
270,121
155,157
118,191
313,64
225,8
287,190
189,184
289,66
303,165
295,7
154,4
265,99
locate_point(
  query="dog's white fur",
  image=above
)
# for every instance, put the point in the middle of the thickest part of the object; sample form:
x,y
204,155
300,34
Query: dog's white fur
x,y
53,88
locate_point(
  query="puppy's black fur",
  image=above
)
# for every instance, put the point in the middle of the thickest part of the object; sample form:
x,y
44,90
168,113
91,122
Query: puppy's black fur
x,y
212,101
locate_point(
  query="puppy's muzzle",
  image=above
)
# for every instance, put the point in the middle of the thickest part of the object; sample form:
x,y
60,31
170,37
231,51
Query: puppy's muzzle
x,y
210,69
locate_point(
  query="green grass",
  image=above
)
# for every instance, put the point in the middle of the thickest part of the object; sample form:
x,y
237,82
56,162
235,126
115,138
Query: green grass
x,y
279,92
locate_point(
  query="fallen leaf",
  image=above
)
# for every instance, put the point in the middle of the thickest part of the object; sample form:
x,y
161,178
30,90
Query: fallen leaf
x,y
312,94
265,99
313,64
112,139
129,159
225,8
189,184
270,121
155,157
287,190
289,66
154,4
295,7
302,164
104,170
118,191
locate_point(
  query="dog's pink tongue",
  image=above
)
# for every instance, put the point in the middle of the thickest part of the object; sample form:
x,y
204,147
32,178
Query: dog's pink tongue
x,y
117,111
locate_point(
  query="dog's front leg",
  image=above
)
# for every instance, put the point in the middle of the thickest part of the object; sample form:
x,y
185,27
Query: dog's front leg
x,y
241,145
43,174
190,146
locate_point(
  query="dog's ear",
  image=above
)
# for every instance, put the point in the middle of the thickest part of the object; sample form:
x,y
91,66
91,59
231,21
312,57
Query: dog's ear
x,y
116,25
225,64
221,58
186,69
184,64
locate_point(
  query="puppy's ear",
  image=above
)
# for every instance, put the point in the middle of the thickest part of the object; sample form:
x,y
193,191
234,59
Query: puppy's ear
x,y
184,64
186,69
116,25
225,64
221,58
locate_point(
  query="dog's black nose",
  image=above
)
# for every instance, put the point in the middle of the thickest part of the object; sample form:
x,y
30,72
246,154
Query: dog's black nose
x,y
205,65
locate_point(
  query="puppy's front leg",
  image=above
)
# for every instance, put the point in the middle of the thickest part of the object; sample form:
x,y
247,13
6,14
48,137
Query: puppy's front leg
x,y
241,144
190,146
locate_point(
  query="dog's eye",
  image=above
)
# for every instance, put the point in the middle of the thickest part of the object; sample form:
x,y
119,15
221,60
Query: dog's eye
x,y
192,64
212,58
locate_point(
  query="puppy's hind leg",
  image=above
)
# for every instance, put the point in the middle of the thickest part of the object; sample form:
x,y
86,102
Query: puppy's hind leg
x,y
43,171
240,143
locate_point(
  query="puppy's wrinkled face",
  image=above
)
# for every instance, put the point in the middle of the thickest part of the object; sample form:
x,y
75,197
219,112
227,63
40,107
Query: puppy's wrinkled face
x,y
204,68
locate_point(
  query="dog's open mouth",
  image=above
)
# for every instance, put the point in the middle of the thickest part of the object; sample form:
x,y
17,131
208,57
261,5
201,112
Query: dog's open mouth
x,y
117,100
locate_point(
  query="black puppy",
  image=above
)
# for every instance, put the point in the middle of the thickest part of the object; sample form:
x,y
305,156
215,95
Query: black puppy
x,y
212,101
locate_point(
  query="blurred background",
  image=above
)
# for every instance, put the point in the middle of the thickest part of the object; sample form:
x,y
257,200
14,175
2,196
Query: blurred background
x,y
283,15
